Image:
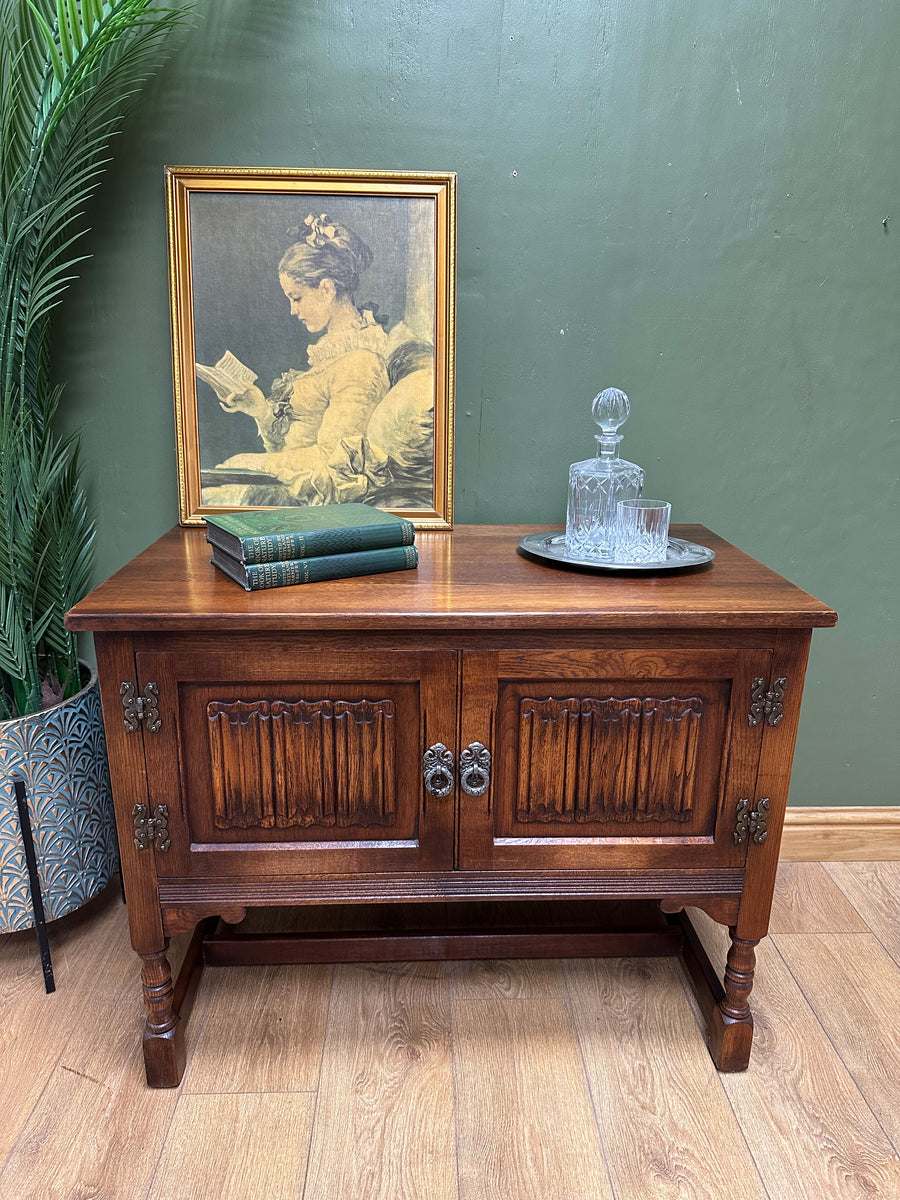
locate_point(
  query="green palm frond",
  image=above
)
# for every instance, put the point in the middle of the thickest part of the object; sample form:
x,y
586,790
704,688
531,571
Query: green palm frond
x,y
70,70
67,536
13,645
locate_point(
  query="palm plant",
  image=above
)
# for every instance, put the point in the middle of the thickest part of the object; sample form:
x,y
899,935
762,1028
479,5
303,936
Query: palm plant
x,y
69,71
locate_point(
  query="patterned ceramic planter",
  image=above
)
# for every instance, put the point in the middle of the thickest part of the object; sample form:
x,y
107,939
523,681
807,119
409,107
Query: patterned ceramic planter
x,y
61,755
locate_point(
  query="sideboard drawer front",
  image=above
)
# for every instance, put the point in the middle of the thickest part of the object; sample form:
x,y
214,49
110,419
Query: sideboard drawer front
x,y
316,762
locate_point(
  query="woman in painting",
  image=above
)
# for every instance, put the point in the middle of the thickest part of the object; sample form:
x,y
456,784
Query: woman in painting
x,y
326,436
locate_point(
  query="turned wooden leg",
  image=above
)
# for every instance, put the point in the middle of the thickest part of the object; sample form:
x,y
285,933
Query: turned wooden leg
x,y
164,1053
731,1028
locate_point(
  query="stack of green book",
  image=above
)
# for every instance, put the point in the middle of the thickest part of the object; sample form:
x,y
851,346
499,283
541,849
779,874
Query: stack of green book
x,y
275,547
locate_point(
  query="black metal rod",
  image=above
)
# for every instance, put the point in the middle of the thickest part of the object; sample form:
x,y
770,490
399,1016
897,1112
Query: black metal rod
x,y
37,903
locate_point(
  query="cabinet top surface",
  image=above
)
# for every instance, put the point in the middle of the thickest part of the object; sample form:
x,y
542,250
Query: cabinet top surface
x,y
472,578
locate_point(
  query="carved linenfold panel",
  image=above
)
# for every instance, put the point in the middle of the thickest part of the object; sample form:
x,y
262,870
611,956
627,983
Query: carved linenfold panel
x,y
608,756
670,735
611,759
240,752
302,763
548,754
364,762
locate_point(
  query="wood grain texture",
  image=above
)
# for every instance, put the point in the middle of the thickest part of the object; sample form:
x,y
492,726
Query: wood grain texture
x,y
96,1129
816,1110
874,891
616,758
841,834
852,985
618,882
477,571
96,1136
719,634
111,1022
127,772
809,1129
664,1118
807,900
789,658
250,1147
293,764
262,1029
506,979
35,1027
383,1128
525,1124
621,744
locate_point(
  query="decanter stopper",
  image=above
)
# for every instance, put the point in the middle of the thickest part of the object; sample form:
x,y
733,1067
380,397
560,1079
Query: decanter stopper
x,y
610,410
596,485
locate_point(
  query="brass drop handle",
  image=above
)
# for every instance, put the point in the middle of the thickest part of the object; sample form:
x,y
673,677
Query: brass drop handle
x,y
475,769
437,770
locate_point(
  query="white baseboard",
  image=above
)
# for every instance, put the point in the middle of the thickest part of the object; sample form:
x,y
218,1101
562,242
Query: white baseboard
x,y
835,834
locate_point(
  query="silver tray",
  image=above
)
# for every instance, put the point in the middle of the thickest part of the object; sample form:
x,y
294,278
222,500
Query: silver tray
x,y
552,547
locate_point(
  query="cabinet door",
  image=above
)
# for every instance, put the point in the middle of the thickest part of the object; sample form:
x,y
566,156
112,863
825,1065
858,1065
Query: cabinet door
x,y
613,758
276,761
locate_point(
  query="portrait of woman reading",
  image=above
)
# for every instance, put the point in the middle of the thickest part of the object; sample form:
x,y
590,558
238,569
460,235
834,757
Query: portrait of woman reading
x,y
356,421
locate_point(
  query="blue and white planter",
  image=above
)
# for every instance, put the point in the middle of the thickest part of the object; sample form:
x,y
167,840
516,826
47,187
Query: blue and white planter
x,y
61,754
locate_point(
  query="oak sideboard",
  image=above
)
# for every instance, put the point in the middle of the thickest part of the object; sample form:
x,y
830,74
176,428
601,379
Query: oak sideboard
x,y
487,728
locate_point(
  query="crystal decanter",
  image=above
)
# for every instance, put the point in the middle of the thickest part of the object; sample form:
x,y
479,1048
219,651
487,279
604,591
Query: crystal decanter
x,y
596,485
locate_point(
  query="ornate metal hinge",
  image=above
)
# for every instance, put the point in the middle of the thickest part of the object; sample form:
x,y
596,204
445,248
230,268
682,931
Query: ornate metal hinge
x,y
144,707
751,825
151,831
767,704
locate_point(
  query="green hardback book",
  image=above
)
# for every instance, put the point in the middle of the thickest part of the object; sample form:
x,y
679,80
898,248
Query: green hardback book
x,y
279,534
255,576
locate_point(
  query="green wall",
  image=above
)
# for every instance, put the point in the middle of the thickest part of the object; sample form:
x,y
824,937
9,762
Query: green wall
x,y
681,199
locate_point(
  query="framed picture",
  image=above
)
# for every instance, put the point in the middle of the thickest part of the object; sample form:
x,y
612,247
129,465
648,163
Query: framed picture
x,y
313,339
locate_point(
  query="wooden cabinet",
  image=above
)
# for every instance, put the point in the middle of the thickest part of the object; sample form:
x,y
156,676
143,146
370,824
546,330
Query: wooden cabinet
x,y
600,755
283,758
484,728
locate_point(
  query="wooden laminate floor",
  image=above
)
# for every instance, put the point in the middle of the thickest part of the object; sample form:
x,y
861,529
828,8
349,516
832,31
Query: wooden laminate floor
x,y
515,1080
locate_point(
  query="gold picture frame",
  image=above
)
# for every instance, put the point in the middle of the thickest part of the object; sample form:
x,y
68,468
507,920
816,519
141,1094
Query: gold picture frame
x,y
369,416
